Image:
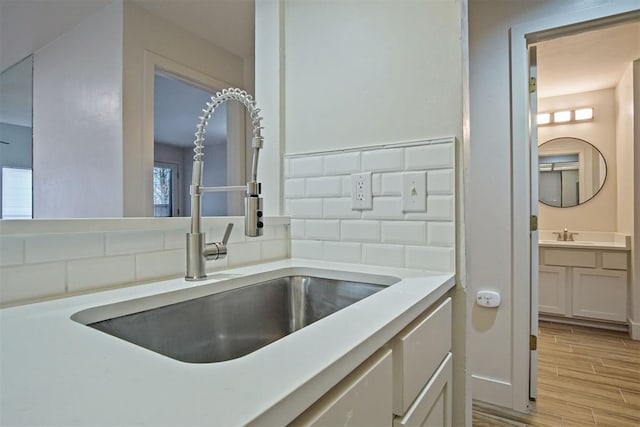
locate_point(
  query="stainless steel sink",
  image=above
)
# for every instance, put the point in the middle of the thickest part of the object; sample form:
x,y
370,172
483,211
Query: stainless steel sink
x,y
231,324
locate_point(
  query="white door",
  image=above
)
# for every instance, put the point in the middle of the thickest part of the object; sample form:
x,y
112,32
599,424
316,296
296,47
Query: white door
x,y
533,142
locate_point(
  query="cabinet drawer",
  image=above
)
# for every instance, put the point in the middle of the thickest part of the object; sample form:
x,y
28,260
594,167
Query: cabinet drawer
x,y
417,353
361,399
614,260
432,408
570,258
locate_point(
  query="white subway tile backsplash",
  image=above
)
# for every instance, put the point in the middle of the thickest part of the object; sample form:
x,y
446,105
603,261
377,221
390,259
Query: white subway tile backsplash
x,y
391,184
57,247
441,234
340,164
387,255
274,249
376,185
346,185
11,250
410,232
339,208
28,282
343,252
130,242
322,229
306,208
429,258
94,273
294,188
306,166
155,265
297,228
440,207
429,156
440,182
175,239
360,231
325,186
383,160
243,253
306,249
385,208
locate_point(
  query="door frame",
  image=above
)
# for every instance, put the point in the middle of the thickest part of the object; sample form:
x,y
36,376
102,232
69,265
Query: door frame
x,y
521,36
236,153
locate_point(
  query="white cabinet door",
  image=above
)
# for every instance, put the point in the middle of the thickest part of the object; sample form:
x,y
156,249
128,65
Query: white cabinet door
x,y
552,290
600,294
362,399
432,407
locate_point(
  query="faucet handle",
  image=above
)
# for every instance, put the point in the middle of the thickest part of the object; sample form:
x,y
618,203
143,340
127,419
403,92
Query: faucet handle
x,y
559,233
227,233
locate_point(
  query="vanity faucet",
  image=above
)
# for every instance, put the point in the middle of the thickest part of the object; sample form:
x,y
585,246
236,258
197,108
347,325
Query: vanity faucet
x,y
198,251
565,235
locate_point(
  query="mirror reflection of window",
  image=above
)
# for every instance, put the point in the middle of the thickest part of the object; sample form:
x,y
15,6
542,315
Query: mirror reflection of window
x,y
571,172
16,140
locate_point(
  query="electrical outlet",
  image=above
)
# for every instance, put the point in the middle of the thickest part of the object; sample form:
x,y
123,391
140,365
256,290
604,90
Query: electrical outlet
x,y
361,196
414,192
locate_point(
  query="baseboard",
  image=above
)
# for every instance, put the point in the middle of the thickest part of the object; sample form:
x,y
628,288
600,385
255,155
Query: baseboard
x,y
634,330
585,322
492,391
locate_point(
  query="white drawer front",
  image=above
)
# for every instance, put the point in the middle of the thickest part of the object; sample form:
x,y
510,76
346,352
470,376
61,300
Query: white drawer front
x,y
614,260
570,257
433,406
362,399
417,353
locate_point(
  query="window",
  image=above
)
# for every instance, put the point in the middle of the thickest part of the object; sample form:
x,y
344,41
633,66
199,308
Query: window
x,y
162,191
16,193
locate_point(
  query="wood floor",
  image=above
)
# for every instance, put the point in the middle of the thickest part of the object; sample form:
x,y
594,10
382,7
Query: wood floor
x,y
586,377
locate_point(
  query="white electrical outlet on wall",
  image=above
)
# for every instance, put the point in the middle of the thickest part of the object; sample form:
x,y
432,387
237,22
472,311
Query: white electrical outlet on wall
x,y
414,191
361,196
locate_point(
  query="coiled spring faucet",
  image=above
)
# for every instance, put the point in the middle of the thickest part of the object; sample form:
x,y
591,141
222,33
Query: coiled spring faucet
x,y
198,251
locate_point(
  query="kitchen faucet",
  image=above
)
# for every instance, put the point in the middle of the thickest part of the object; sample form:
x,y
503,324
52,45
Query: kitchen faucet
x,y
198,251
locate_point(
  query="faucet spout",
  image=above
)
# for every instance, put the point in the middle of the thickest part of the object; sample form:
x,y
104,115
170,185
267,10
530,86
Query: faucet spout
x,y
198,251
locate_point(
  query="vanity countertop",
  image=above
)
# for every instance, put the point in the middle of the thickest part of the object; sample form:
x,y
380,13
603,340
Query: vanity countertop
x,y
584,245
56,371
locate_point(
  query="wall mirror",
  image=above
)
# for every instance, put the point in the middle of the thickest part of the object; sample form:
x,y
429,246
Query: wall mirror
x,y
111,113
571,172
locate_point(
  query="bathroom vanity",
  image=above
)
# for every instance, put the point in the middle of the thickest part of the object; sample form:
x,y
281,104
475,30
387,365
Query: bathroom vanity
x,y
585,281
384,360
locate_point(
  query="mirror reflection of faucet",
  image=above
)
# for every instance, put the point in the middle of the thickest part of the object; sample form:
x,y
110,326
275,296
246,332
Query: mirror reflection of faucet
x,y
565,235
198,251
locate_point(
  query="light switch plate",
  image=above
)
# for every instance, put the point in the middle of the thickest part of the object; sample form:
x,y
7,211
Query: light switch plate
x,y
414,191
361,195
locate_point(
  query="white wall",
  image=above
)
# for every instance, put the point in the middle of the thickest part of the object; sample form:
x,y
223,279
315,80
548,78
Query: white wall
x,y
625,151
635,290
77,120
146,32
599,213
384,72
489,205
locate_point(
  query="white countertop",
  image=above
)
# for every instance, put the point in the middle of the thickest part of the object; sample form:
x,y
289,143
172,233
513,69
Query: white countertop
x,y
56,371
584,245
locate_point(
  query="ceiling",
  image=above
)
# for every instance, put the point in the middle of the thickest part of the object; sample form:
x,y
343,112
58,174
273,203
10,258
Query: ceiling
x,y
587,61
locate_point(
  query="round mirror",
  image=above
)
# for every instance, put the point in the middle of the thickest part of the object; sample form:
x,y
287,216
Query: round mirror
x,y
572,172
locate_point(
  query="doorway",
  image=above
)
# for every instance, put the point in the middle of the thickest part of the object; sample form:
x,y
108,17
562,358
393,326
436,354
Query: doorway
x,y
525,244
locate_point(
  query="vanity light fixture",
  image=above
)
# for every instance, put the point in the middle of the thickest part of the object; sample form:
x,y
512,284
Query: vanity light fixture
x,y
562,116
565,116
544,118
583,114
